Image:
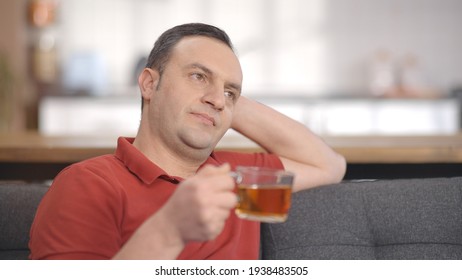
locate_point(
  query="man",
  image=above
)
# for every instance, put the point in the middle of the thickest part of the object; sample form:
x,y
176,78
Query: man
x,y
166,194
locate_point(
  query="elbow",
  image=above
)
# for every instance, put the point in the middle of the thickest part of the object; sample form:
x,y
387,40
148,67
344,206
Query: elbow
x,y
337,169
309,176
341,168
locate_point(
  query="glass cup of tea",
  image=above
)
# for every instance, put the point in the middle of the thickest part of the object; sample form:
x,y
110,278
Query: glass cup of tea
x,y
264,194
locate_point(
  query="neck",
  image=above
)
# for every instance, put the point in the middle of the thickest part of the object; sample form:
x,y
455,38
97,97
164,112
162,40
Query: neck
x,y
181,162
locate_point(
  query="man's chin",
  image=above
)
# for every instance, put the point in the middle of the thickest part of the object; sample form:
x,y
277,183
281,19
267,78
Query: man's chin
x,y
201,140
201,143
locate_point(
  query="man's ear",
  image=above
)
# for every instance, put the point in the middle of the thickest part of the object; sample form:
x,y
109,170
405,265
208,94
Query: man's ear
x,y
148,81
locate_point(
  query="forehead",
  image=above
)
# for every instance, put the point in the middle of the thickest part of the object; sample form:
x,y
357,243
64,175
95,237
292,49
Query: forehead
x,y
211,52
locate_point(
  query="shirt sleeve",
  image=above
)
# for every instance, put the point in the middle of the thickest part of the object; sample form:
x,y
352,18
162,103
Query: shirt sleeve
x,y
79,217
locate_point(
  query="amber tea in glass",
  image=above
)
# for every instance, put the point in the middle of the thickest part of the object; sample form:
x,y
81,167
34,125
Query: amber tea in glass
x,y
264,194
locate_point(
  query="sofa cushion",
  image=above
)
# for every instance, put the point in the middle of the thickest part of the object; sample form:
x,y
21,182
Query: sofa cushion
x,y
18,203
385,219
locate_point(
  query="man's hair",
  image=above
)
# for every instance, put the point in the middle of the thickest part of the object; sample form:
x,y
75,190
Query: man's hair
x,y
164,45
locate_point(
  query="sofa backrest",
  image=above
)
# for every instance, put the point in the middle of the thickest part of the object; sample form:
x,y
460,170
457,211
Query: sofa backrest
x,y
18,203
384,219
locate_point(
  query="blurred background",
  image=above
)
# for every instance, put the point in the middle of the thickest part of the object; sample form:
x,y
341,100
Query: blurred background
x,y
342,67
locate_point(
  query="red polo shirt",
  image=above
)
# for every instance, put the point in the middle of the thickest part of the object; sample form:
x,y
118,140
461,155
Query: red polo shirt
x,y
93,207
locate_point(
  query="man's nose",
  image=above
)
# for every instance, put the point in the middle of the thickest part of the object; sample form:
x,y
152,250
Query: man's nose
x,y
214,96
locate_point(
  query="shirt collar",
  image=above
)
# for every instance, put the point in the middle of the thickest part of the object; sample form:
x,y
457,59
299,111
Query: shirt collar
x,y
141,166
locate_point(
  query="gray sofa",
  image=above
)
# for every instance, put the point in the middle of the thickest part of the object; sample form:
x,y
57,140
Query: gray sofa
x,y
385,219
18,203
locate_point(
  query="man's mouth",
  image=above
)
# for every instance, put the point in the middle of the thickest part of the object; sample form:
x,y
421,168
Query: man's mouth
x,y
205,118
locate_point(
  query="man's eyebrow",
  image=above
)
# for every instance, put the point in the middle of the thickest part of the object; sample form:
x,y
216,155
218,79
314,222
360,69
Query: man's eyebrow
x,y
204,68
200,66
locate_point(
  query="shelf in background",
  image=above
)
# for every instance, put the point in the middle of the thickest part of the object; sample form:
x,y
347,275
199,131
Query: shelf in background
x,y
34,156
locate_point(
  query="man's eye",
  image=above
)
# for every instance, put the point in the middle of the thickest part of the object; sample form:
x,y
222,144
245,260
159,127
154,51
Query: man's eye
x,y
230,95
198,76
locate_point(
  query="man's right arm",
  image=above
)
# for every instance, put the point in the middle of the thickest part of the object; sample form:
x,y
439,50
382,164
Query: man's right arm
x,y
197,211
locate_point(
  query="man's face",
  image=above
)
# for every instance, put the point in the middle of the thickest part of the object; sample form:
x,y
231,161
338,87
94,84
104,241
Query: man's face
x,y
194,101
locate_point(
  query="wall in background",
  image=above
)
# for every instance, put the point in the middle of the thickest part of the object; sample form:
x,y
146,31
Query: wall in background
x,y
296,47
